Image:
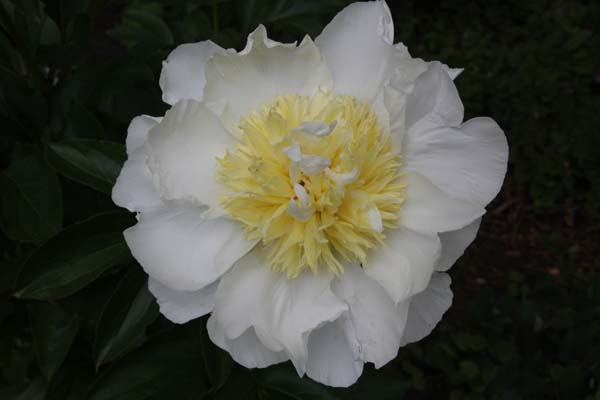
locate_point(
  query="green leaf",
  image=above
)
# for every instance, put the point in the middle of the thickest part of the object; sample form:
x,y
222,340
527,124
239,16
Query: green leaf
x,y
49,31
158,371
240,385
31,199
377,384
142,28
282,382
469,369
53,332
34,390
128,312
95,163
75,257
82,123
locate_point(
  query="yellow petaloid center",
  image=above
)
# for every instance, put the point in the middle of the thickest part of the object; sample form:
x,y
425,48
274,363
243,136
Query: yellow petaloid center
x,y
315,179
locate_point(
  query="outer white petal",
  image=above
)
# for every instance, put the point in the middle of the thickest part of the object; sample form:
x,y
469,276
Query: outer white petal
x,y
454,244
453,73
182,76
330,358
181,306
137,132
247,349
427,308
284,311
395,93
183,152
259,38
182,249
239,83
134,188
373,317
429,210
467,162
434,101
357,45
401,83
403,264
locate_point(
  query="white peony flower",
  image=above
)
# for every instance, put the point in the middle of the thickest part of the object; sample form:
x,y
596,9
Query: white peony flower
x,y
310,197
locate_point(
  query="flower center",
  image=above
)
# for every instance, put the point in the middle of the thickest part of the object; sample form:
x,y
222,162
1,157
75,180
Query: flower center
x,y
315,179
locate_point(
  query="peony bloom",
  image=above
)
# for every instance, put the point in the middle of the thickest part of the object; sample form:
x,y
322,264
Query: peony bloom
x,y
309,197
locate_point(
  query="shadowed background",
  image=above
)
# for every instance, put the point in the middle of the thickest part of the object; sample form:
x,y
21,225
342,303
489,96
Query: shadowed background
x,y
76,319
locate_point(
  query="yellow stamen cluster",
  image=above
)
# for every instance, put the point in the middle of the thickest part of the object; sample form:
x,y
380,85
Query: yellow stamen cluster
x,y
315,179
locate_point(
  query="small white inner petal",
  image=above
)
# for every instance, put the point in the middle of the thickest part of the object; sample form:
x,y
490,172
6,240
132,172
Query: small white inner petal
x,y
304,210
298,212
302,195
343,178
294,172
374,218
317,128
312,165
294,152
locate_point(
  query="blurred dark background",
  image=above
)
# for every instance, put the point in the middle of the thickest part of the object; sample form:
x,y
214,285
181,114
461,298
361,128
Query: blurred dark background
x,y
77,322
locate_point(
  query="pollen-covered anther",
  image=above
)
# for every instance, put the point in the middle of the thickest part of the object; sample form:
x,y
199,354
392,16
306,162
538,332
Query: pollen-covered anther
x,y
315,179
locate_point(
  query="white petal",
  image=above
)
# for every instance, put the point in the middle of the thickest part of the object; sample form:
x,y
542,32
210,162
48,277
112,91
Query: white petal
x,y
427,308
374,218
183,152
259,38
434,101
403,264
300,213
304,210
376,322
181,306
343,178
467,162
312,164
247,349
453,73
182,76
380,109
284,310
395,94
454,244
316,128
237,84
301,193
428,209
184,250
357,45
134,188
137,132
294,152
330,358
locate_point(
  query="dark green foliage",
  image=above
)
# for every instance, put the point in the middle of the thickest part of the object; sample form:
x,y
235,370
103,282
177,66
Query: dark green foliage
x,y
76,318
53,332
130,309
531,66
31,209
95,163
170,370
74,257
